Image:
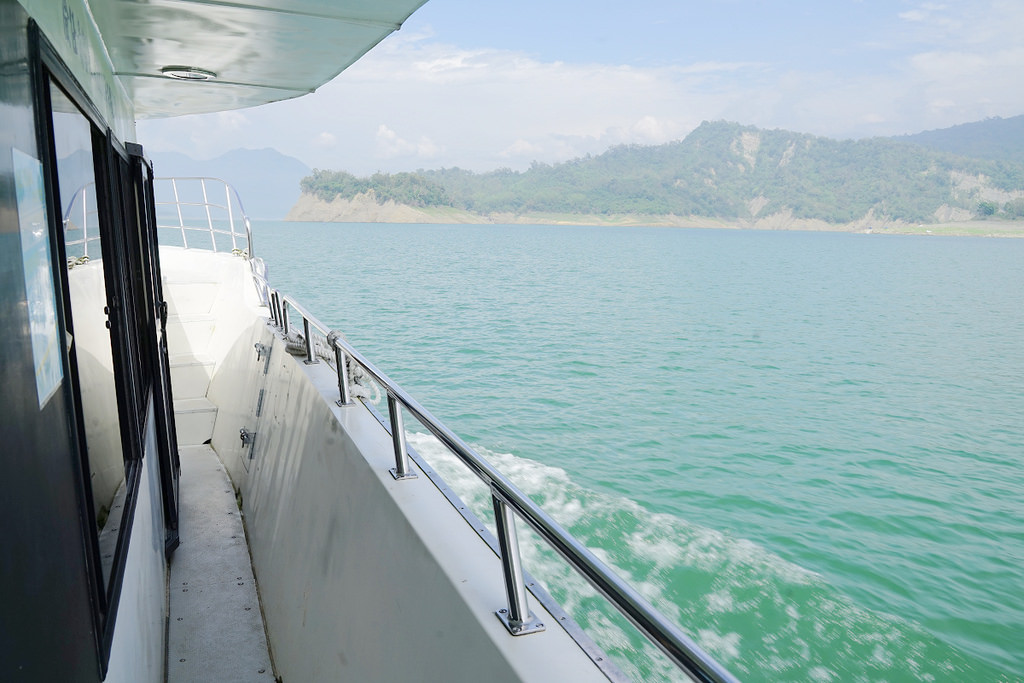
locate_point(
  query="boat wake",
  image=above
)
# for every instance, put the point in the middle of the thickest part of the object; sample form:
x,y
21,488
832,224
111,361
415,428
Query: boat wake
x,y
760,615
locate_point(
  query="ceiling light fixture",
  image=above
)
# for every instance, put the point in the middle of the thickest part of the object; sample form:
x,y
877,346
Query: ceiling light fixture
x,y
188,73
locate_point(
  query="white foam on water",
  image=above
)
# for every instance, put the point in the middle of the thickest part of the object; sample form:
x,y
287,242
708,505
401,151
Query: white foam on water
x,y
725,646
751,609
820,674
720,601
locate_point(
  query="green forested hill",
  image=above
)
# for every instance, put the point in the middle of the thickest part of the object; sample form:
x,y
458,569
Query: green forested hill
x,y
994,138
721,170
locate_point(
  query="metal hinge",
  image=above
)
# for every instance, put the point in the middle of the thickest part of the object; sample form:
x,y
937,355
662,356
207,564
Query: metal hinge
x,y
263,353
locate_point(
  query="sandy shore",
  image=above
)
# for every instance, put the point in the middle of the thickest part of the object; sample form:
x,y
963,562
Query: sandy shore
x,y
365,209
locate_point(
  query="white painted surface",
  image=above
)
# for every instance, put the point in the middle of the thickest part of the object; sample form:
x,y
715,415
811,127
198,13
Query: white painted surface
x,y
211,300
362,578
96,379
191,375
235,392
137,650
192,331
194,419
191,297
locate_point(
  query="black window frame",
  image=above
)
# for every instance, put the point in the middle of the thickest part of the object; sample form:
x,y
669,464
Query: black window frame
x,y
131,310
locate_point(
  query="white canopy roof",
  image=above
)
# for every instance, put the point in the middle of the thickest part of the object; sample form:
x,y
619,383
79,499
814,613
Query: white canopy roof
x,y
252,51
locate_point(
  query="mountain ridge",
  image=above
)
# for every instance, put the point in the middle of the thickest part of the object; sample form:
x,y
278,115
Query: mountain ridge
x,y
721,171
992,138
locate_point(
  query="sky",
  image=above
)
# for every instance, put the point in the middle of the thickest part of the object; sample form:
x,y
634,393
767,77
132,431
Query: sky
x,y
483,85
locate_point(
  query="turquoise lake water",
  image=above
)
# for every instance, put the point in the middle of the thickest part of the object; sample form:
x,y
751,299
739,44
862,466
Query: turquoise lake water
x,y
805,448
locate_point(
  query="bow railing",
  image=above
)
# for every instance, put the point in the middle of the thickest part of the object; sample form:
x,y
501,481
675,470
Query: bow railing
x,y
204,213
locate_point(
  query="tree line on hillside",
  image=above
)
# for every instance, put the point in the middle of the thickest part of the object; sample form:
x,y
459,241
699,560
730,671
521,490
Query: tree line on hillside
x,y
412,189
993,138
721,170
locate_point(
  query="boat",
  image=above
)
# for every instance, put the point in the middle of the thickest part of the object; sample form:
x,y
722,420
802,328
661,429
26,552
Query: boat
x,y
195,484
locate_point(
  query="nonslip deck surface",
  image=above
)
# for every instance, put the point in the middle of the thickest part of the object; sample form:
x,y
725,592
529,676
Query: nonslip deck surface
x,y
216,628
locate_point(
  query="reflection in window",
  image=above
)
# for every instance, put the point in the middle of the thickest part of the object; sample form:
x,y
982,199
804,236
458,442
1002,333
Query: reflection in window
x,y
87,285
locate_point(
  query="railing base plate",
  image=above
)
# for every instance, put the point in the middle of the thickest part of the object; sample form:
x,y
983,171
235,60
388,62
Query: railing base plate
x,y
531,625
399,477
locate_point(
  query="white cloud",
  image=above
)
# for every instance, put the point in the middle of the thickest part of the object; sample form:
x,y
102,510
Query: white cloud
x,y
989,24
654,131
914,15
415,102
521,148
720,67
481,109
392,146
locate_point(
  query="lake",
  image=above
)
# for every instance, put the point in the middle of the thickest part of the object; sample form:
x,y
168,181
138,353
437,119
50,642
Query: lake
x,y
805,448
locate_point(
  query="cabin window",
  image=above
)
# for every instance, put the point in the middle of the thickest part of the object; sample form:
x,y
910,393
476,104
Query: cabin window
x,y
108,315
117,395
92,304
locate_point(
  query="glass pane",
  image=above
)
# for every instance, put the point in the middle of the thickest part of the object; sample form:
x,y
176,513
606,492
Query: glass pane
x,y
72,133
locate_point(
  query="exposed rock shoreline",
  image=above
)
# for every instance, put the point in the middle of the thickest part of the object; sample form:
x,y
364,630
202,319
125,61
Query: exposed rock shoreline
x,y
364,208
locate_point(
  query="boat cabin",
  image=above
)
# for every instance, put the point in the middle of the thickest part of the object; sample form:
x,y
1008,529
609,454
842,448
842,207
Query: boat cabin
x,y
193,489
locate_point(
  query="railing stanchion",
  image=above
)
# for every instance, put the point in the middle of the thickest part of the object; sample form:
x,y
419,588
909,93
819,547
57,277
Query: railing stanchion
x,y
517,617
340,361
310,356
248,235
181,219
231,216
209,218
401,468
285,326
85,224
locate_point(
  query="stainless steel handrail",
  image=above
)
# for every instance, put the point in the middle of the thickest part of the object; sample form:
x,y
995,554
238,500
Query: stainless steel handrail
x,y
668,637
213,211
508,501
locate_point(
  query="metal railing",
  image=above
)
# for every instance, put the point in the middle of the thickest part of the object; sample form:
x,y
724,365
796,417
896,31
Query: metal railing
x,y
508,502
205,206
319,342
81,215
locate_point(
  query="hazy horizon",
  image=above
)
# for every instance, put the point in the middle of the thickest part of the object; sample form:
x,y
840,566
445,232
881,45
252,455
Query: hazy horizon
x,y
484,87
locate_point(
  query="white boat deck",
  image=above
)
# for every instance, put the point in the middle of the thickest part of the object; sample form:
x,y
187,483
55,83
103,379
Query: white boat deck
x,y
362,577
215,630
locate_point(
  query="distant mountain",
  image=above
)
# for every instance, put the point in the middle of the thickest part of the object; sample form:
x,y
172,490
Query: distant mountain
x,y
266,180
994,138
721,170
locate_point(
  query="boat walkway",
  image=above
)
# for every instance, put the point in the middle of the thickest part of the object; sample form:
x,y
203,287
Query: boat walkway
x,y
215,630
